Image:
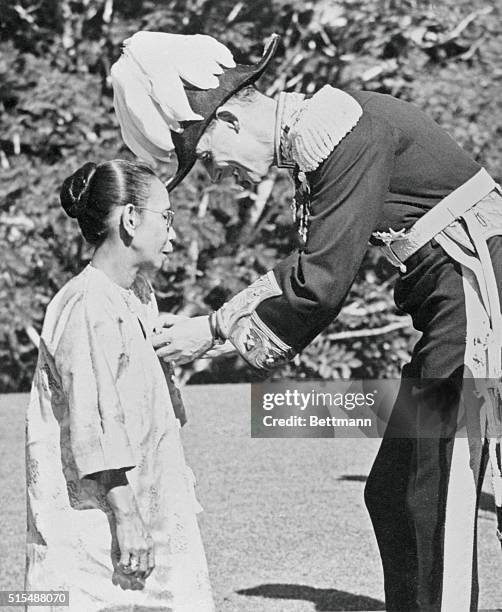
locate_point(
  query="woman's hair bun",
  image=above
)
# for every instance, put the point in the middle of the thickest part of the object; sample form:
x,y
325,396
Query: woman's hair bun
x,y
74,193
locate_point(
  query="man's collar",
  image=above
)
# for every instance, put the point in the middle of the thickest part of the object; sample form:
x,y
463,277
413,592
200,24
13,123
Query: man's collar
x,y
288,108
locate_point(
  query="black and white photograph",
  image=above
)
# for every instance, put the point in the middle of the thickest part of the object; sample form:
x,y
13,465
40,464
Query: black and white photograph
x,y
250,305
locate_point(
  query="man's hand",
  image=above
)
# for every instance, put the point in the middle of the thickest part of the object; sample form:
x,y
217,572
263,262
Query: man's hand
x,y
184,340
225,349
167,319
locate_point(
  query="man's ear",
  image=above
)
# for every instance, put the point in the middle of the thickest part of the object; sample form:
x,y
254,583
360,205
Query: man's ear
x,y
225,114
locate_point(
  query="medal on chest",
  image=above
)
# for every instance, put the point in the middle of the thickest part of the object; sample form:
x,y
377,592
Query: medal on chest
x,y
300,205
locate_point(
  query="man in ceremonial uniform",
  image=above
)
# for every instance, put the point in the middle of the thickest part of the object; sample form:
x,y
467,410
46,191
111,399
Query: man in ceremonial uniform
x,y
366,167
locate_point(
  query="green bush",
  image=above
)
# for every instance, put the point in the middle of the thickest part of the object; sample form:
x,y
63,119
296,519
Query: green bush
x,y
56,113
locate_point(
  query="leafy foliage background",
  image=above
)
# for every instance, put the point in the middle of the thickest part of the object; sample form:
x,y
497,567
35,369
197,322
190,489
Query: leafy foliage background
x,y
56,113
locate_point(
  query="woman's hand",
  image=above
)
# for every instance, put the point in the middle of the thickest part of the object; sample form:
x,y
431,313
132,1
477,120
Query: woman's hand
x,y
137,554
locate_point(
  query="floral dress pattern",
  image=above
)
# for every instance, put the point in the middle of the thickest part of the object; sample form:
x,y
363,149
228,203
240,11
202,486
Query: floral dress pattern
x,y
100,401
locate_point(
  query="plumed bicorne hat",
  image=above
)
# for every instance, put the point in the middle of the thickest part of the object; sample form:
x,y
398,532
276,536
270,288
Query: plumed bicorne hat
x,y
167,88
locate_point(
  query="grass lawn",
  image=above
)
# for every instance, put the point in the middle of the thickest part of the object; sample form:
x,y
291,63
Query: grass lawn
x,y
285,527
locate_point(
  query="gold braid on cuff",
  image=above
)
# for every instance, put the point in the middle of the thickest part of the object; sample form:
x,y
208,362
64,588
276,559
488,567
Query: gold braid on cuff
x,y
238,322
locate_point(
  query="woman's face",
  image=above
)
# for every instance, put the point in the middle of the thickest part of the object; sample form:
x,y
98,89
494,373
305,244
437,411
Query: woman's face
x,y
152,237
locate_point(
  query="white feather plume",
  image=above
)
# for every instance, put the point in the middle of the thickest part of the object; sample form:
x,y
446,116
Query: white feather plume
x,y
149,96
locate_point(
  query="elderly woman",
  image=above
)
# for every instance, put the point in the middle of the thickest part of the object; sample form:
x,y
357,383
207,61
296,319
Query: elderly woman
x,y
111,505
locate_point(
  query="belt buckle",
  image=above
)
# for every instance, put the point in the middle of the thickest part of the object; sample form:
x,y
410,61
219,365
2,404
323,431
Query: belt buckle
x,y
388,238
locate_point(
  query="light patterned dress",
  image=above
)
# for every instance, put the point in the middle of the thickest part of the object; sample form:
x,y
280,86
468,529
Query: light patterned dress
x,y
100,401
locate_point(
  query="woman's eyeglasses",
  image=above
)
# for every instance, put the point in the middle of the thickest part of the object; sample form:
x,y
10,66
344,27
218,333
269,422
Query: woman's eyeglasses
x,y
168,214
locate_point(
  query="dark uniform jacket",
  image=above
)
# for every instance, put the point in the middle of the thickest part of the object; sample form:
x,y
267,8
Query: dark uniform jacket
x,y
393,166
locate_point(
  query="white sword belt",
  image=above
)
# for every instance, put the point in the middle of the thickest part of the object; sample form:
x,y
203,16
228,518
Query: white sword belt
x,y
398,246
461,224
